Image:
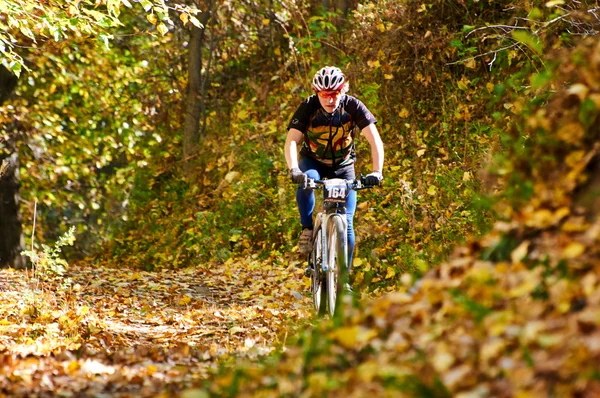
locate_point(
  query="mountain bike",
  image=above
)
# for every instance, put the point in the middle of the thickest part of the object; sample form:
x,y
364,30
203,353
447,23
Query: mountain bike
x,y
328,260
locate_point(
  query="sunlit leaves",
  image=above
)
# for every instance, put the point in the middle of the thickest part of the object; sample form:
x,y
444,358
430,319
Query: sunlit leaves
x,y
37,21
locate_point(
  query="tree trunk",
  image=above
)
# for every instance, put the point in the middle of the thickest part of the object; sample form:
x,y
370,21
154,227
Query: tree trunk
x,y
195,101
11,231
342,5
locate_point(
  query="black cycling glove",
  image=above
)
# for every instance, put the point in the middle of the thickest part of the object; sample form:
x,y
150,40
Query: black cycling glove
x,y
373,179
298,177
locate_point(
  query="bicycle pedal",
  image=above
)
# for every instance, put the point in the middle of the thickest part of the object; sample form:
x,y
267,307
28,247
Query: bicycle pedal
x,y
308,271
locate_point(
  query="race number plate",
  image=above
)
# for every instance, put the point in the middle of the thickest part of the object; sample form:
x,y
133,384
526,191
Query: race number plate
x,y
336,191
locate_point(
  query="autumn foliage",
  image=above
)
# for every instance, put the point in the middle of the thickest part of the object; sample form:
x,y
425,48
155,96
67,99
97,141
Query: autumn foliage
x,y
476,266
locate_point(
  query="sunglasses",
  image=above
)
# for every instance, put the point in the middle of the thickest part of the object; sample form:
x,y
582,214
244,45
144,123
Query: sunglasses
x,y
329,94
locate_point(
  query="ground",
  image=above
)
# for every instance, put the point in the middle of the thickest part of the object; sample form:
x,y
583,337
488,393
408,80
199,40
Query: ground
x,y
112,331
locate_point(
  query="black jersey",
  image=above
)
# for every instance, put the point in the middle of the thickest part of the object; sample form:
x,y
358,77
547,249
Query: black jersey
x,y
329,137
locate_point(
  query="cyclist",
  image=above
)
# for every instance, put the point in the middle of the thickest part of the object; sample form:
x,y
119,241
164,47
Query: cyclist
x,y
326,125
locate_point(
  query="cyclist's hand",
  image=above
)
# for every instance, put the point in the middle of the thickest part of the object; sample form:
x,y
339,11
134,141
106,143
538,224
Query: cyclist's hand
x,y
298,177
373,179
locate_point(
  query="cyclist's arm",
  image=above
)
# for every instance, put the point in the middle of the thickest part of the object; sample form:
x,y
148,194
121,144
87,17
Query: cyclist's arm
x,y
294,137
372,135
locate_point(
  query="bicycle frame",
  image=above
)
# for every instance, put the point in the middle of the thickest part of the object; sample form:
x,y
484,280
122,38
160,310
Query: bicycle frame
x,y
321,222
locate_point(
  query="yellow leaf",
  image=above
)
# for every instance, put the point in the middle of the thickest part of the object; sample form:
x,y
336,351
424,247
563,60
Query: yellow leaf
x,y
540,219
471,64
390,273
432,191
374,64
365,334
520,252
136,277
367,371
466,176
84,310
524,288
73,366
346,336
381,27
421,152
162,28
185,300
194,393
443,359
574,249
266,21
574,158
491,349
357,262
236,330
185,18
571,132
232,175
553,3
404,114
151,369
388,76
242,114
463,83
151,18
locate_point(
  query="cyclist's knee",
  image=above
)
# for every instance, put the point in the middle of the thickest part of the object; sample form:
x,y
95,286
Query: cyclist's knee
x,y
312,173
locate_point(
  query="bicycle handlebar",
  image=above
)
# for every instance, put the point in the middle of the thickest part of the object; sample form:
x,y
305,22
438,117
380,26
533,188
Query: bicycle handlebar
x,y
355,184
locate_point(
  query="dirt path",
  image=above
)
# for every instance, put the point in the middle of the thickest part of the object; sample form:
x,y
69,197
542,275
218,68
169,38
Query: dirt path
x,y
118,332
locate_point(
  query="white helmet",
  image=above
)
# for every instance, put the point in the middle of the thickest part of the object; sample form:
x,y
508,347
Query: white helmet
x,y
329,78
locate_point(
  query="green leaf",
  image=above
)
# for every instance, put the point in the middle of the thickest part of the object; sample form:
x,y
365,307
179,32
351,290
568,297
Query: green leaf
x,y
535,14
16,68
539,80
456,43
530,41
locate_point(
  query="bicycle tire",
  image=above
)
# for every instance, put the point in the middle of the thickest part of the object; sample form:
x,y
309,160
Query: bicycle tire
x,y
338,259
318,286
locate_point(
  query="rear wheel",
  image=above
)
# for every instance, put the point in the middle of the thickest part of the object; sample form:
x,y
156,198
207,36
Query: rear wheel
x,y
337,261
318,288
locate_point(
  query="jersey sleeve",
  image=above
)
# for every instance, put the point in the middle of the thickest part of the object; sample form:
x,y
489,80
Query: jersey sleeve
x,y
301,117
363,116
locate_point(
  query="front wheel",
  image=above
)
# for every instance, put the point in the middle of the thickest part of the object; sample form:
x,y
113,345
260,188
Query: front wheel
x,y
337,261
318,287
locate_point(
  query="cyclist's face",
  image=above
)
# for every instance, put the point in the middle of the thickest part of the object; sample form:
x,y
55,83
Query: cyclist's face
x,y
329,100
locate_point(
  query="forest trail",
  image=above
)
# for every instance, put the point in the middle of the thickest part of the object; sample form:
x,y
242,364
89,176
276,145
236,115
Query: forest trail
x,y
122,332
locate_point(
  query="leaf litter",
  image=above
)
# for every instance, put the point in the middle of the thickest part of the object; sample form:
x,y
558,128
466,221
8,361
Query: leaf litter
x,y
123,332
